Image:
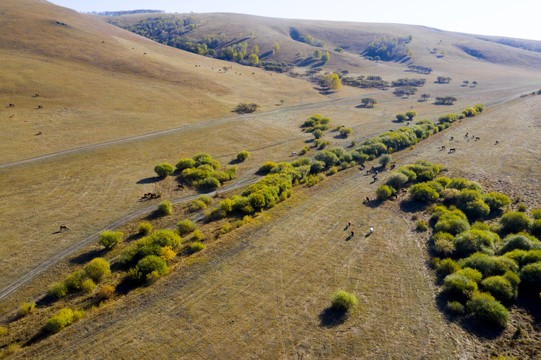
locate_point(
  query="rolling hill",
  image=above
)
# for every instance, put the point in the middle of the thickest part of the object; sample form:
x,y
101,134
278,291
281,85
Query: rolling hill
x,y
114,104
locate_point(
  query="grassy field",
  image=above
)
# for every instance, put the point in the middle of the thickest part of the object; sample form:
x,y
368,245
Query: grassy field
x,y
269,282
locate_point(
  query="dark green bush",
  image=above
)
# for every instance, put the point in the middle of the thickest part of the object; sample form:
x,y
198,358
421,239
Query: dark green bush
x,y
64,317
243,155
110,238
520,241
385,160
496,201
472,241
461,184
423,193
536,214
443,244
401,117
455,307
328,157
384,192
514,222
97,269
530,275
487,309
500,288
88,286
165,208
524,257
267,167
345,132
447,266
145,228
196,246
396,180
489,265
185,163
152,264
57,290
421,226
164,169
536,227
343,300
451,222
459,285
197,205
149,245
317,167
185,227
75,280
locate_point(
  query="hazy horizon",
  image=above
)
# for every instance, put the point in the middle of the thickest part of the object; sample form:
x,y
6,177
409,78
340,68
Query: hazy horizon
x,y
496,18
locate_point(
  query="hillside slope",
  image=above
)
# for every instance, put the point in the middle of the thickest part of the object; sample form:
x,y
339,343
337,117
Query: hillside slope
x,y
99,83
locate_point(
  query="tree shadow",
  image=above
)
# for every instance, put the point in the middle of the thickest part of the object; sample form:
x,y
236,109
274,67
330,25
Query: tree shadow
x,y
125,286
87,256
149,180
45,301
41,335
411,206
373,203
331,317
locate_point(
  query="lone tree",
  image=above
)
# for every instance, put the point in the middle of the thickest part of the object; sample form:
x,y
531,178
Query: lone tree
x,y
317,54
401,117
474,83
465,82
253,59
331,81
368,102
411,114
164,169
425,97
326,57
275,48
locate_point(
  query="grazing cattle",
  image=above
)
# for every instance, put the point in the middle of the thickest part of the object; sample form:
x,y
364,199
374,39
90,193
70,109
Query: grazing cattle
x,y
39,107
352,233
363,167
294,153
349,224
394,195
452,150
367,200
36,95
392,166
253,73
466,135
407,124
452,138
38,133
180,186
497,142
391,130
371,229
442,147
477,138
11,105
64,227
374,179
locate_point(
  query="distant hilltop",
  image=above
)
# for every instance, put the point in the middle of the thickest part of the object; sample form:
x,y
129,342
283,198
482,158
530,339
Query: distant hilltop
x,y
126,12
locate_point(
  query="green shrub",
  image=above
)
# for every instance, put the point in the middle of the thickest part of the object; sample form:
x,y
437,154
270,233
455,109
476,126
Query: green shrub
x,y
57,290
461,184
243,155
196,246
185,227
98,269
384,192
536,214
185,163
317,167
88,286
475,209
145,228
105,292
496,201
530,275
489,265
521,208
513,279
196,235
443,244
423,193
75,280
345,132
459,285
64,317
447,266
520,241
206,199
536,227
472,241
421,226
344,301
401,117
164,169
210,183
165,208
486,308
385,160
150,264
267,167
26,308
524,257
3,331
514,222
197,205
110,238
396,180
455,307
452,225
499,287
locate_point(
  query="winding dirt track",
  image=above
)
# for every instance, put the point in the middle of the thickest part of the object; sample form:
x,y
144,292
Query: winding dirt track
x,y
29,276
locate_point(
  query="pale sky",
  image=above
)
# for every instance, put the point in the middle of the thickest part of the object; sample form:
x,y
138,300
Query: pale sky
x,y
510,18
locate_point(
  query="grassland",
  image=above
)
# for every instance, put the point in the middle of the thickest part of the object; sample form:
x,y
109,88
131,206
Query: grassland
x,y
268,283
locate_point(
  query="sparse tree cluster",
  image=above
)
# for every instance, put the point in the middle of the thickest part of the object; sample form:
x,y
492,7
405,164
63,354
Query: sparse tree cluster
x,y
420,69
446,100
443,80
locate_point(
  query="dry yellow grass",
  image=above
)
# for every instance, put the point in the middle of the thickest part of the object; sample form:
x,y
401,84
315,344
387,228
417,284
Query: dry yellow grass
x,y
265,284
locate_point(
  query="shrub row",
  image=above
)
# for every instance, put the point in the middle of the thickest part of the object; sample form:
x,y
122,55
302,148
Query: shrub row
x,y
81,280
